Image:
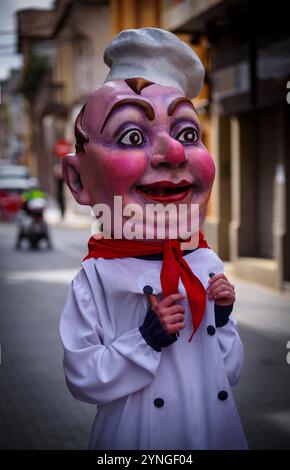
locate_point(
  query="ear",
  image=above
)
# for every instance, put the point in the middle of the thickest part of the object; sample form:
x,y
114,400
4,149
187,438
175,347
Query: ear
x,y
71,173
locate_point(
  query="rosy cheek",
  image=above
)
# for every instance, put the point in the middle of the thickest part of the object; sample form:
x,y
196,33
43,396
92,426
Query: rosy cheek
x,y
202,166
122,169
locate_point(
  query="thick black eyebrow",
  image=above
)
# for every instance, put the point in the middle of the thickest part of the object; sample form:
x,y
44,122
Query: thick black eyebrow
x,y
173,105
145,105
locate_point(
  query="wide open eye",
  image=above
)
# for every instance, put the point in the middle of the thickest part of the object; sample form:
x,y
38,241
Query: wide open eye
x,y
189,135
131,137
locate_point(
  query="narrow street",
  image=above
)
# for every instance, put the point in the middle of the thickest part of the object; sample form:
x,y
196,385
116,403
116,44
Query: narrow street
x,y
36,409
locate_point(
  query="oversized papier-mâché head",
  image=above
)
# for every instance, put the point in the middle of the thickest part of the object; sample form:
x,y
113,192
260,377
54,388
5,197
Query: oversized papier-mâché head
x,y
138,139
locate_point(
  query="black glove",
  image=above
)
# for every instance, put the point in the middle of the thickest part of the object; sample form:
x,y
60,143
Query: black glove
x,y
154,333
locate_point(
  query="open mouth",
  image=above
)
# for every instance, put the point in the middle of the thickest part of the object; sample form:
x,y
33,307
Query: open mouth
x,y
165,191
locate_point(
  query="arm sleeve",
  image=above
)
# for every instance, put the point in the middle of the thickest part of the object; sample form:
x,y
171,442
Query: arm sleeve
x,y
154,333
232,349
98,373
222,314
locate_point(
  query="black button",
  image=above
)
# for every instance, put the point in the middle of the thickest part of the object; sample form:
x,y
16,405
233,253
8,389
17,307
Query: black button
x,y
223,395
211,274
147,290
211,330
159,402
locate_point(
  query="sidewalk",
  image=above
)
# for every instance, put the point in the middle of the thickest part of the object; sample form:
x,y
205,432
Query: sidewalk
x,y
73,218
262,395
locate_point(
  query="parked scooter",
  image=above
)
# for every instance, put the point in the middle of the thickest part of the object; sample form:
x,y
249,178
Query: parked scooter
x,y
32,225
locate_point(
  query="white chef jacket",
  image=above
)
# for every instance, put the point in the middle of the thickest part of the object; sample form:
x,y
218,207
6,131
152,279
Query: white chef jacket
x,y
107,361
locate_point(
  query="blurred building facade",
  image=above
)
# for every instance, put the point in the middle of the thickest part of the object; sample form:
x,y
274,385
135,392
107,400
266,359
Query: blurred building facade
x,y
126,14
35,28
249,59
69,40
12,110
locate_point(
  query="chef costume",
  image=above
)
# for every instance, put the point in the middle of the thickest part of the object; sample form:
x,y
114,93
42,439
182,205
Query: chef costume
x,y
152,390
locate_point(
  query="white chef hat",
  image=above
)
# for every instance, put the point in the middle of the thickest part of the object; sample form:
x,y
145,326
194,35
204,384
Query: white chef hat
x,y
156,55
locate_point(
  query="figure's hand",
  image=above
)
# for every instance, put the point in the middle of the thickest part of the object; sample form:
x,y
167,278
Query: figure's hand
x,y
221,290
170,314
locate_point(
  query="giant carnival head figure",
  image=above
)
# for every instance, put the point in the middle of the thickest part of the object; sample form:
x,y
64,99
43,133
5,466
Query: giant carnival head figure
x,y
138,135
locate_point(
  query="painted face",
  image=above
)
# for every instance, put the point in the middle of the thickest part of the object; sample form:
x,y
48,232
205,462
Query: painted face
x,y
144,147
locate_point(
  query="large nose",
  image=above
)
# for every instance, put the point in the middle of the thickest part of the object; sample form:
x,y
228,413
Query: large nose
x,y
167,152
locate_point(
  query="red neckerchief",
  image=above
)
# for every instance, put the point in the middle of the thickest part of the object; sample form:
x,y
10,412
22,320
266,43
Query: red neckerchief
x,y
174,267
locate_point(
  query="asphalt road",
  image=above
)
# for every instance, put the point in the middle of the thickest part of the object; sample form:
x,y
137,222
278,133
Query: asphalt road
x,y
36,409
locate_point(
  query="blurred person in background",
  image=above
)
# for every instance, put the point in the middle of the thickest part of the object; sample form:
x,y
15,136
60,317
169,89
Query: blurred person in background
x,y
31,223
